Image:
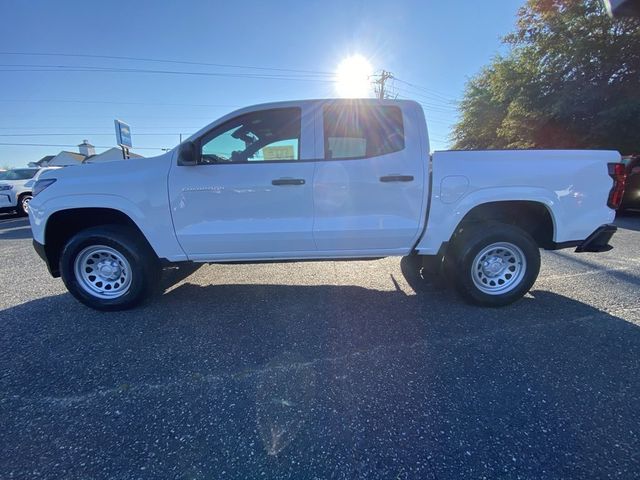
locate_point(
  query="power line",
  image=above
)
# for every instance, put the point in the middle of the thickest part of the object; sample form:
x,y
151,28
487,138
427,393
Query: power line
x,y
426,90
128,117
74,68
434,108
80,134
158,60
430,101
381,90
428,108
69,145
109,102
98,68
302,74
93,126
442,123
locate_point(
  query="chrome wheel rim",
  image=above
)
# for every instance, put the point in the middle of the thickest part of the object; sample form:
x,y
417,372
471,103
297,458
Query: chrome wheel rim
x,y
103,272
25,203
498,268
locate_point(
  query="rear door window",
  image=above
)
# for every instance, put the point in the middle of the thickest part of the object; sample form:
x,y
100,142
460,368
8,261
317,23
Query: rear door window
x,y
360,131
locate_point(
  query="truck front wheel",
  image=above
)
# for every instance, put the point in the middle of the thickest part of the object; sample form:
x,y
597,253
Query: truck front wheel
x,y
109,267
494,265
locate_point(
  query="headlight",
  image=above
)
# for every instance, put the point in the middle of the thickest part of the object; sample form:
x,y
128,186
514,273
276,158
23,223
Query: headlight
x,y
40,185
5,187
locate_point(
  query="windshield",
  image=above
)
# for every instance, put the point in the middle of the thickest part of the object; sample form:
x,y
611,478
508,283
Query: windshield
x,y
19,174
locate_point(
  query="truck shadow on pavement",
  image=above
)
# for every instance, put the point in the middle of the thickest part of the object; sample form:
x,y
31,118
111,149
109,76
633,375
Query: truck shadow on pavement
x,y
621,275
628,220
318,382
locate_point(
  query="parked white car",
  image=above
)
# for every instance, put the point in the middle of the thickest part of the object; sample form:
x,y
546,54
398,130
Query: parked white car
x,y
15,195
321,179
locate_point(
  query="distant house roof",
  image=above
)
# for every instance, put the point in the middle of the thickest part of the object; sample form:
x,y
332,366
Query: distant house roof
x,y
66,157
78,156
42,162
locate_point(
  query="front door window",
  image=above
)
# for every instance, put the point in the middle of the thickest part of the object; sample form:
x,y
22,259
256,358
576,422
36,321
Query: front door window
x,y
264,136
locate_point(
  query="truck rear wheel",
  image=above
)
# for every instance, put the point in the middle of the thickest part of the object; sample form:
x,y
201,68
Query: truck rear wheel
x,y
494,265
109,267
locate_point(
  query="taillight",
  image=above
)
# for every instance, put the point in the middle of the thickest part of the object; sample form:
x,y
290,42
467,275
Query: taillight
x,y
617,171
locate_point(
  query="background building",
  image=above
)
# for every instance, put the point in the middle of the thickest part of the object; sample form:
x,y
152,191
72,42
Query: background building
x,y
86,154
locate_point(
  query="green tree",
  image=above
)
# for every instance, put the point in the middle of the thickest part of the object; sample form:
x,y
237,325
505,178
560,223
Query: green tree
x,y
570,79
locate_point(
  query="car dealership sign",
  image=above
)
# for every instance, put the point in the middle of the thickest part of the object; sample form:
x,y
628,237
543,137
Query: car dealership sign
x,y
123,134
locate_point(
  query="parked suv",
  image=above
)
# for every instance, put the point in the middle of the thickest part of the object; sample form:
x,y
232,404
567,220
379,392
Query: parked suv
x,y
14,194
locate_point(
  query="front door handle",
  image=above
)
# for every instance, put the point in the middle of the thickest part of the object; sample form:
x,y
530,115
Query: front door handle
x,y
396,178
287,181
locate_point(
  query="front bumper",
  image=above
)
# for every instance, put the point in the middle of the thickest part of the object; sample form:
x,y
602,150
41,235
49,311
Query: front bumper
x,y
598,241
5,201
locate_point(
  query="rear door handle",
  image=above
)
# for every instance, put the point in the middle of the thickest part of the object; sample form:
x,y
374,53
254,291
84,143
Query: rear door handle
x,y
396,178
288,181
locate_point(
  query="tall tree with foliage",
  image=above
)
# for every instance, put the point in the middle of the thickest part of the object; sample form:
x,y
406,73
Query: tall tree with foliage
x,y
571,79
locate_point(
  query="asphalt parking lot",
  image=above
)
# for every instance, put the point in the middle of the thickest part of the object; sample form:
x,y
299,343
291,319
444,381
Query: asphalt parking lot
x,y
323,370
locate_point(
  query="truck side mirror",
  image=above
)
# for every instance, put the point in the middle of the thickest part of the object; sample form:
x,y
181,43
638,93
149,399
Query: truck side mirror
x,y
187,155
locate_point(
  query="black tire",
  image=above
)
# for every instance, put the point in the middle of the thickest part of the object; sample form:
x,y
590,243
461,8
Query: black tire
x,y
144,265
473,240
20,208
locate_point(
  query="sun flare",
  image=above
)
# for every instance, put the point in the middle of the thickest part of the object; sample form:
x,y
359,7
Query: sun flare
x,y
353,77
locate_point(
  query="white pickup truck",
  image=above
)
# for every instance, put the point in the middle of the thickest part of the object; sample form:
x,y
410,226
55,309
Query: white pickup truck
x,y
322,179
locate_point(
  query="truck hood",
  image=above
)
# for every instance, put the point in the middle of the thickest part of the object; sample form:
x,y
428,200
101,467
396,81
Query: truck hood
x,y
108,178
94,172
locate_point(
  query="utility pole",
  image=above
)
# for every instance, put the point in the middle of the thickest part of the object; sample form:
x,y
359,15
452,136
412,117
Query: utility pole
x,y
380,84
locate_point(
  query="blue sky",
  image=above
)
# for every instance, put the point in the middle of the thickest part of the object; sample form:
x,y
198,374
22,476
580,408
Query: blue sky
x,y
434,45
